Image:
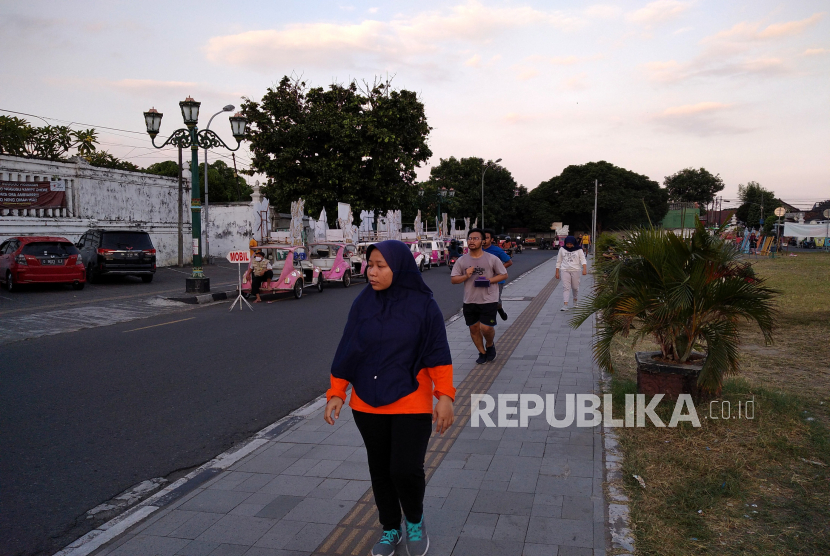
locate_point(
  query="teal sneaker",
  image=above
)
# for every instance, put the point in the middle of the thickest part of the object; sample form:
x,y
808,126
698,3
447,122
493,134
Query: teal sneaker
x,y
387,543
417,540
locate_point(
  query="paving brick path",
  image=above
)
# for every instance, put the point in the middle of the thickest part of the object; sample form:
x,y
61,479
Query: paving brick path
x,y
304,487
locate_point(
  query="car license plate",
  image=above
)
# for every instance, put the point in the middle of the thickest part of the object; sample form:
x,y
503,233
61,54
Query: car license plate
x,y
53,261
132,255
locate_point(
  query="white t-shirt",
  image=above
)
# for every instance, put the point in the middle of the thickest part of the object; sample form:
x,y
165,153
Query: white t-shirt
x,y
572,260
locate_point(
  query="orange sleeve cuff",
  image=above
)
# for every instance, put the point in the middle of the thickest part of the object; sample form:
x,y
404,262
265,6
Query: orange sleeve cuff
x,y
338,388
442,379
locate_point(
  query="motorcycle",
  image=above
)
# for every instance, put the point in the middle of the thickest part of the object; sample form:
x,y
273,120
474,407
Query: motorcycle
x,y
808,244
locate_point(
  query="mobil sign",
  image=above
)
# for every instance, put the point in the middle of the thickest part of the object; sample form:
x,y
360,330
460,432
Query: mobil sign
x,y
240,257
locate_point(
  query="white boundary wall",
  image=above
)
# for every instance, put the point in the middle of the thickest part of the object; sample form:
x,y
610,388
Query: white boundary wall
x,y
101,198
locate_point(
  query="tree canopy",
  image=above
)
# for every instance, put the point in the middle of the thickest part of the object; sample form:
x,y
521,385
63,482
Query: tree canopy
x,y
19,138
753,196
693,186
464,176
622,201
342,144
222,186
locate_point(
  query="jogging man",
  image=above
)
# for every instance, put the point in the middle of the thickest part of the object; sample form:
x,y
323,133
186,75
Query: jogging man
x,y
489,247
479,272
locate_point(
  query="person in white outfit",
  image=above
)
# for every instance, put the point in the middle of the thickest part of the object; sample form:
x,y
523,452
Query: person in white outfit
x,y
572,264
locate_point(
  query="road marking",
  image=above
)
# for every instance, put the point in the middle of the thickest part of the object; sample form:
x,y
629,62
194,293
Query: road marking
x,y
88,301
162,324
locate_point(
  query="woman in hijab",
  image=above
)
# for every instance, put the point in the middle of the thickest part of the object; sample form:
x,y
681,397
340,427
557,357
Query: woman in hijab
x,y
571,260
394,353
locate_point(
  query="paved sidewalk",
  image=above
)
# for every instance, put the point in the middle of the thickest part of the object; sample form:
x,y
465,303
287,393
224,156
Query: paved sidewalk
x,y
303,486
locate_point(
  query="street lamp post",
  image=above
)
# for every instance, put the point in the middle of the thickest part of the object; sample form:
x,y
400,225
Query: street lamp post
x,y
483,171
193,138
440,194
227,108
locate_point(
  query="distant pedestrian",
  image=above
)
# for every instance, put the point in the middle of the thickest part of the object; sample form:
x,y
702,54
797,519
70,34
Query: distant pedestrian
x,y
260,271
478,271
394,352
586,242
753,245
489,247
572,263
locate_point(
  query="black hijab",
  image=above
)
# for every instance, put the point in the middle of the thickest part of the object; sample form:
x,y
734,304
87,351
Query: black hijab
x,y
391,334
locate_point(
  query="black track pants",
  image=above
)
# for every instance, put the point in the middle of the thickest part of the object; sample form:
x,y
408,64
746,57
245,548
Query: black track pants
x,y
396,446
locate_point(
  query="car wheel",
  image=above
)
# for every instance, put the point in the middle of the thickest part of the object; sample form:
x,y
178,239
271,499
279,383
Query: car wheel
x,y
347,279
78,285
10,282
320,284
298,289
147,278
421,267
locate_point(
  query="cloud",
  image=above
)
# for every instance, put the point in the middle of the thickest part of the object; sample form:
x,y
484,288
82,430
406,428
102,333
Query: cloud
x,y
526,72
673,71
658,12
152,85
399,41
603,11
738,51
373,10
753,31
474,61
690,109
514,118
815,51
703,119
577,82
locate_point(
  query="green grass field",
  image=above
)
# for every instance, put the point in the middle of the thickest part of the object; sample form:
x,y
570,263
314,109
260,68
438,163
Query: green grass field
x,y
745,486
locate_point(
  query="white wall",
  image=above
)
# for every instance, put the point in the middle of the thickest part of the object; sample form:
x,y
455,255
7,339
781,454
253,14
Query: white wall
x,y
231,227
101,198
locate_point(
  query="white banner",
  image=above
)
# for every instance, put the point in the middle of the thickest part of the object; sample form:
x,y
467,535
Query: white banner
x,y
791,229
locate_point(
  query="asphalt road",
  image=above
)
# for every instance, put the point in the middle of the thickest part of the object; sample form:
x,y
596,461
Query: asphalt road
x,y
87,414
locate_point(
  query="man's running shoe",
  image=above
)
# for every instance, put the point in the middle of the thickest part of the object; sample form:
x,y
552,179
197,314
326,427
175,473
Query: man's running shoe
x,y
491,353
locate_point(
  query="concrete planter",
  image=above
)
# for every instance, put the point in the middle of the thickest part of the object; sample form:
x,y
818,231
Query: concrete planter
x,y
657,377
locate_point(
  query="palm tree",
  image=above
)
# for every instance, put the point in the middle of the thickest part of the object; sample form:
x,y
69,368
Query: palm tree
x,y
686,294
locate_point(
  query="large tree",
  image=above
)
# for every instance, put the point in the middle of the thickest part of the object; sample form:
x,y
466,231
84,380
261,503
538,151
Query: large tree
x,y
464,176
342,144
693,186
625,199
753,196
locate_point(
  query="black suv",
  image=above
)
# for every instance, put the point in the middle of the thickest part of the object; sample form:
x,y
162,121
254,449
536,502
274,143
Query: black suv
x,y
118,252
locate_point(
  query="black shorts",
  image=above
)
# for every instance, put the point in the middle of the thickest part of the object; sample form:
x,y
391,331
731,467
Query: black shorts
x,y
484,313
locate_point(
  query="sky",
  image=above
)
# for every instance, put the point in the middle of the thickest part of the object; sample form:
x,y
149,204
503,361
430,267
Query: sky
x,y
739,88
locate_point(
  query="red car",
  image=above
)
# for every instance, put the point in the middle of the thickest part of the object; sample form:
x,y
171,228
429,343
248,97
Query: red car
x,y
38,260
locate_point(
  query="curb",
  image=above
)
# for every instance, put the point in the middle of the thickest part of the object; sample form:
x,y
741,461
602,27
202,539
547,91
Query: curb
x,y
206,297
119,524
619,517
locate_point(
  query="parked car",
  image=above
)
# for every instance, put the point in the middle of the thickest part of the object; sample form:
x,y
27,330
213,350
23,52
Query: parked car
x,y
435,252
420,258
292,271
40,259
118,252
340,262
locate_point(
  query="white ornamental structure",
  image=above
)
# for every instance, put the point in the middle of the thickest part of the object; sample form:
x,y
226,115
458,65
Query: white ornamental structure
x,y
295,230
